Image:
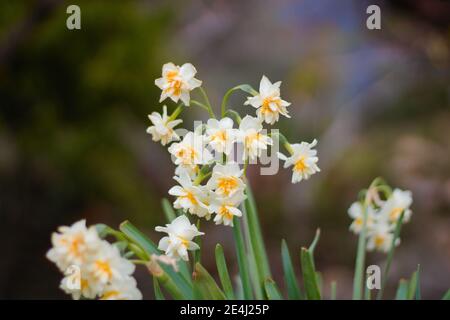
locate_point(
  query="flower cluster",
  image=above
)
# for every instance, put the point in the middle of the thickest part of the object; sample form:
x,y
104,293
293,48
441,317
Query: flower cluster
x,y
93,267
211,180
382,217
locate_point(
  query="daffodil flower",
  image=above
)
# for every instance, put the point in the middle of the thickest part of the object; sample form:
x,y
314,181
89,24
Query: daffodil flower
x,y
122,290
220,135
398,202
304,160
268,101
226,208
380,238
73,245
226,179
190,152
356,213
189,197
251,137
163,128
176,82
179,240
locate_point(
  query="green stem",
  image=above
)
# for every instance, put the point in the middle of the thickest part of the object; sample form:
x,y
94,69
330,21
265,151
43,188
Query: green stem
x,y
208,103
198,240
285,142
176,112
333,290
242,259
236,115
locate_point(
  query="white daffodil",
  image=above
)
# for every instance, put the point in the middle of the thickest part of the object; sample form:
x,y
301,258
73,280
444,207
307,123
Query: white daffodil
x,y
226,208
83,288
220,135
179,240
251,137
226,179
73,245
268,101
380,238
176,82
122,290
398,202
108,266
356,213
303,159
189,197
162,129
190,152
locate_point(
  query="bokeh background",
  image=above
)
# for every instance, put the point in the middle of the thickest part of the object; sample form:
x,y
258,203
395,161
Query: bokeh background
x,y
74,105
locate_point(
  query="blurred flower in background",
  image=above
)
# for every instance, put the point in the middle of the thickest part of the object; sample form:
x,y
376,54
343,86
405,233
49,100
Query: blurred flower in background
x,y
74,103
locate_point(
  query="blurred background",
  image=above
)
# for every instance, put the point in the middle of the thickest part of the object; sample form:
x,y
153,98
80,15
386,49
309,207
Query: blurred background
x,y
74,106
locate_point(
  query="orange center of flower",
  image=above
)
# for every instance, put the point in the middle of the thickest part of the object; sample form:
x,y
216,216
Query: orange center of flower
x,y
225,213
395,214
104,267
265,107
219,135
227,184
190,197
175,84
300,165
379,241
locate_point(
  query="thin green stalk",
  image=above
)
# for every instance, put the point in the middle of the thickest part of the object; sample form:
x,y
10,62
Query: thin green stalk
x,y
198,240
360,257
236,115
223,272
208,104
398,228
176,112
242,259
244,87
333,290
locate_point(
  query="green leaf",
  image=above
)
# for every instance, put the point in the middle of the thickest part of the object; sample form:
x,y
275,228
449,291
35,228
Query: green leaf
x,y
255,236
446,295
206,285
168,210
414,285
272,291
333,290
242,260
313,245
309,275
289,275
402,291
223,273
157,289
162,277
148,246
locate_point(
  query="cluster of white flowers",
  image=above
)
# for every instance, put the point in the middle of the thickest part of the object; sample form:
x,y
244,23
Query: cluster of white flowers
x,y
209,180
381,219
93,267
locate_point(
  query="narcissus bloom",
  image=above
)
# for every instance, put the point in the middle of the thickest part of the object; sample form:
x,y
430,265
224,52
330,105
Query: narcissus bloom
x,y
122,290
189,197
398,202
179,240
356,212
176,82
108,266
226,208
220,135
162,129
190,151
252,138
303,159
380,238
268,101
226,179
73,245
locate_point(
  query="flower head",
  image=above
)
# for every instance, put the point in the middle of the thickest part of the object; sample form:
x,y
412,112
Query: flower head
x,y
303,159
268,101
226,179
398,202
226,208
191,151
179,240
73,245
356,213
380,237
162,129
122,290
190,197
251,137
220,135
176,82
